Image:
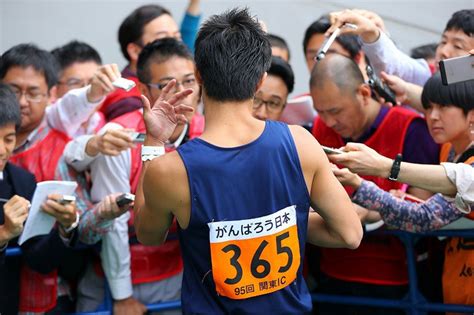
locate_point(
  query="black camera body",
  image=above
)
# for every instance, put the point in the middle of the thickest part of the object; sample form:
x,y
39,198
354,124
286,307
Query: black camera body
x,y
379,87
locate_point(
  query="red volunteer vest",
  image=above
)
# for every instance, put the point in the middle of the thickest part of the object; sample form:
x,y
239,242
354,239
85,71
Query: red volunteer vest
x,y
38,292
120,94
153,263
458,270
42,158
380,259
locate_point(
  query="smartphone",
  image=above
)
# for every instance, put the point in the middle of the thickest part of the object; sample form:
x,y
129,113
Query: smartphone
x,y
457,69
66,199
329,150
138,137
125,199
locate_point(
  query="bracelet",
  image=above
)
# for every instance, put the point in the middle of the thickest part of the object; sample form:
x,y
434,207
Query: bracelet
x,y
73,226
462,205
151,152
395,167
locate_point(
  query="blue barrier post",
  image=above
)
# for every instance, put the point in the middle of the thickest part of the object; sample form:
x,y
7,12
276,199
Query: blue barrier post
x,y
414,295
13,251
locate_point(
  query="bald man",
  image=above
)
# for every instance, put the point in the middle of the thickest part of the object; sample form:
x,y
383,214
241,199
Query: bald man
x,y
349,112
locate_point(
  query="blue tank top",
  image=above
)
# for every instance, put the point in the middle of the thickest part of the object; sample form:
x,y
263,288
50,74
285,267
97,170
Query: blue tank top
x,y
243,249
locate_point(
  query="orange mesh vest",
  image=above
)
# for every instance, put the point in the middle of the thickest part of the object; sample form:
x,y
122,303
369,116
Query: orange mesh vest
x,y
38,292
380,259
458,271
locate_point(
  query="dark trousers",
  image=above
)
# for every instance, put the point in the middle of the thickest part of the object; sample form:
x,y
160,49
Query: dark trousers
x,y
64,305
328,285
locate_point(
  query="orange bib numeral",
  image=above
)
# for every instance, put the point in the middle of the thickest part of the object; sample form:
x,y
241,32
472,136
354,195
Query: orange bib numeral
x,y
255,256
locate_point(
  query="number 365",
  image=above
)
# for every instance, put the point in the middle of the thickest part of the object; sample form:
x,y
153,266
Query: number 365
x,y
257,262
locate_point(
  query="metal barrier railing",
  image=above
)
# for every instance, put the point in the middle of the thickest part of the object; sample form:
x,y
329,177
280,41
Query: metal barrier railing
x,y
414,303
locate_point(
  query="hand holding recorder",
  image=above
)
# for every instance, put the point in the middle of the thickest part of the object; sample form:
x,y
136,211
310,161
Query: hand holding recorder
x,y
112,142
63,209
101,83
361,159
113,206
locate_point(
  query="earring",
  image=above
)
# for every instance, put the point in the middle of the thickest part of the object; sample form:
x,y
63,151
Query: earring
x,y
471,127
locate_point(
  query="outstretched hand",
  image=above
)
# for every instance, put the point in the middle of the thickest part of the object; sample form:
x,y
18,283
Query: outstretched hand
x,y
366,26
101,83
166,113
108,208
112,142
361,159
346,177
397,85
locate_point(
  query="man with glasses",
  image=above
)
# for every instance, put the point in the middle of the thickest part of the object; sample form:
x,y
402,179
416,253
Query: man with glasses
x,y
456,41
136,274
144,25
270,99
78,62
31,74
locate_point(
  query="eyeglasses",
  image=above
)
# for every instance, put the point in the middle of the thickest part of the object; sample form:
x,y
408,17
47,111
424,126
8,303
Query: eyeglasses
x,y
74,83
271,105
188,83
32,97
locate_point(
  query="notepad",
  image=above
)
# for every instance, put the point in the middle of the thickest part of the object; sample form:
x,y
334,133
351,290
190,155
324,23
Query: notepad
x,y
299,111
39,222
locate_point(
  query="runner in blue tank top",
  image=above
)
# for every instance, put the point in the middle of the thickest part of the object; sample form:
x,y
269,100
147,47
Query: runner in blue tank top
x,y
241,193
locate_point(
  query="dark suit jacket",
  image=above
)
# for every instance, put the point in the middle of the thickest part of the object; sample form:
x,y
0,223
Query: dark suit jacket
x,y
23,184
43,253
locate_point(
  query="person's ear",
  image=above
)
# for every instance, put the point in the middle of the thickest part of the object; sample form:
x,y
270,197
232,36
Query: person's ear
x,y
143,88
133,51
470,119
364,92
470,116
198,77
53,94
260,82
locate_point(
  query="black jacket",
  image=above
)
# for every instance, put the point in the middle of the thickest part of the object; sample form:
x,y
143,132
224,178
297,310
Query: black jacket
x,y
22,183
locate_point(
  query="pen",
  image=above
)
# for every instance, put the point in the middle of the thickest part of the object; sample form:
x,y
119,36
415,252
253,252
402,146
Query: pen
x,y
328,42
6,200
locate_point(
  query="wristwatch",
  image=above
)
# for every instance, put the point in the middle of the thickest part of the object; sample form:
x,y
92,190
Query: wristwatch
x,y
395,168
151,152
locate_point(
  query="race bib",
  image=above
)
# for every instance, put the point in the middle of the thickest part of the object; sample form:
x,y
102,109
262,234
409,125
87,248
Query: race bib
x,y
255,256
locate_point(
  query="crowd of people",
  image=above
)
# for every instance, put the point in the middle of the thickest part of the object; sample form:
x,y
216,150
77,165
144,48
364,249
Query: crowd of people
x,y
235,210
